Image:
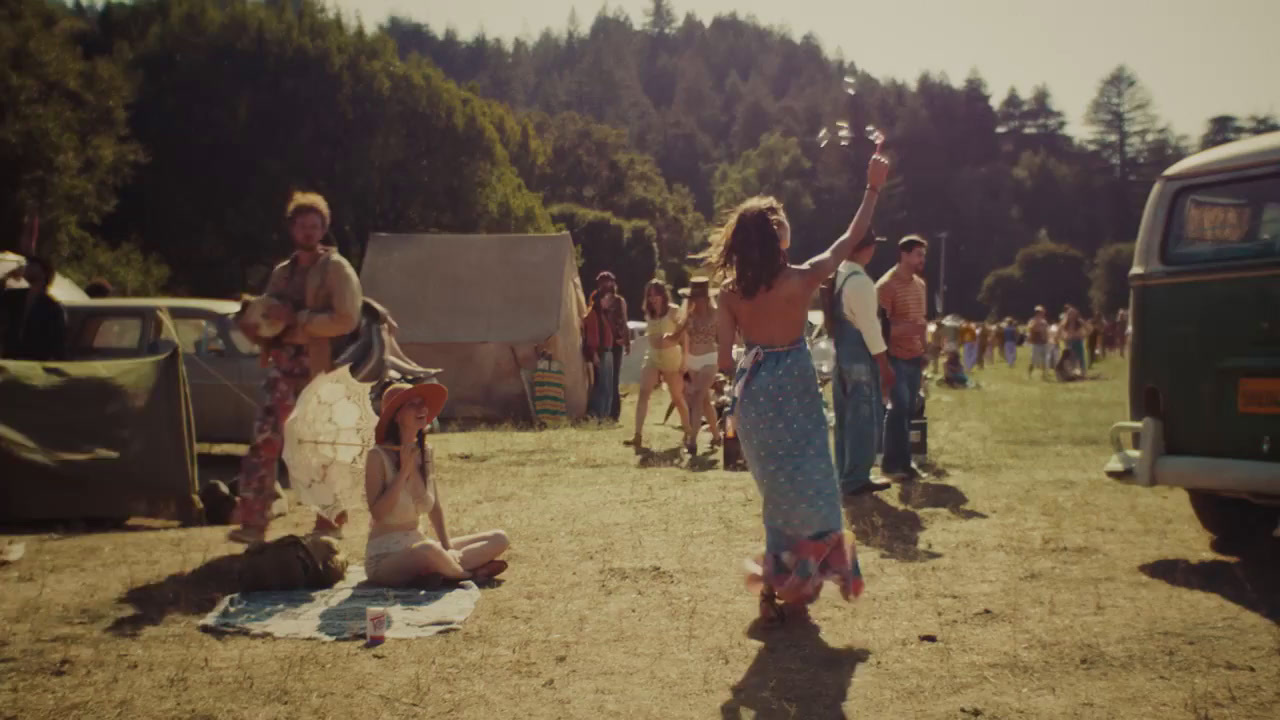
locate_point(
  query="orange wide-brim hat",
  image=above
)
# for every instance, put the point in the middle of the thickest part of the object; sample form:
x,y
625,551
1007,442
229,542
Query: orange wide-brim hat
x,y
433,394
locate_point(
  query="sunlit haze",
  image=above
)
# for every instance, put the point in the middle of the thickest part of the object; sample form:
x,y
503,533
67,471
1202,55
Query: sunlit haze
x,y
1197,59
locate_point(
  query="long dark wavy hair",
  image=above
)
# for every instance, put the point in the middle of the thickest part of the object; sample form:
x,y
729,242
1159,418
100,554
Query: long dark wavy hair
x,y
749,251
649,287
393,440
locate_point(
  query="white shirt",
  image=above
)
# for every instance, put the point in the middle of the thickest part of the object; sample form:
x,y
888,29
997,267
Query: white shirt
x,y
861,305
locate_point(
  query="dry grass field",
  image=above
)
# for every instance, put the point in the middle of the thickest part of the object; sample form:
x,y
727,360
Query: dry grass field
x,y
1016,582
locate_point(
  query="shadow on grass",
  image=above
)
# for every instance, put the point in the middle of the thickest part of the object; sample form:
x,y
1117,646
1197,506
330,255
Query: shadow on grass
x,y
85,526
703,463
933,469
920,495
795,674
190,593
660,459
895,532
1251,581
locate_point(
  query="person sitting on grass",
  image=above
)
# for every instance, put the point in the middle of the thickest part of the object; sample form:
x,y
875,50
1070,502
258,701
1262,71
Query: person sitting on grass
x,y
401,487
953,375
720,400
1068,368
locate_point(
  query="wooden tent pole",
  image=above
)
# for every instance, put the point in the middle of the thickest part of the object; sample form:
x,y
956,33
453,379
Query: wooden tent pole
x,y
528,389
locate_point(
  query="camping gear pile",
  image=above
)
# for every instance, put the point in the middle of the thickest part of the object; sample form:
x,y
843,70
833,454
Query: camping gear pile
x,y
115,440
93,440
293,563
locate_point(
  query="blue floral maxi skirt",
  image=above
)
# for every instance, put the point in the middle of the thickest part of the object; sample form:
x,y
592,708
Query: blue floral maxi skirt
x,y
779,418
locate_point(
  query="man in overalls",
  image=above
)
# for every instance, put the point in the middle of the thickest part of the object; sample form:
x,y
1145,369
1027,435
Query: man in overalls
x,y
319,299
863,376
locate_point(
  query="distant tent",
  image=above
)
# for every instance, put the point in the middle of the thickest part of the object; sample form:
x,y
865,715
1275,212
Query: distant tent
x,y
478,307
97,439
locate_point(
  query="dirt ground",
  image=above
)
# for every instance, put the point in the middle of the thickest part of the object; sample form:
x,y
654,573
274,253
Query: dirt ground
x,y
1017,582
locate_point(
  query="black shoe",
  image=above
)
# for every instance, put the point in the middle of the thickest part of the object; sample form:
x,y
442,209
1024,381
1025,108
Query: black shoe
x,y
866,489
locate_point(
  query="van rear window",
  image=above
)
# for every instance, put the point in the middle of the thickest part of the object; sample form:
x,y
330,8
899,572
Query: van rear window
x,y
1228,221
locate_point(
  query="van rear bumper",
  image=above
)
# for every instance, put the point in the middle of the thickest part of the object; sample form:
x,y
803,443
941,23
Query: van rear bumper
x,y
1149,466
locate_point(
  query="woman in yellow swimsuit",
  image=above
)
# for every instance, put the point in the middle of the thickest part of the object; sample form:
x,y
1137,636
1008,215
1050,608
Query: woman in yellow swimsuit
x,y
664,362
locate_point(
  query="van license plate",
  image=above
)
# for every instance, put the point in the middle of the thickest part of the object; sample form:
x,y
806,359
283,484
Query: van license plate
x,y
1259,396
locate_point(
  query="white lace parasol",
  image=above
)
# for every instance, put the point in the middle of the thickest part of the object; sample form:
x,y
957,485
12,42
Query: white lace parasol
x,y
326,439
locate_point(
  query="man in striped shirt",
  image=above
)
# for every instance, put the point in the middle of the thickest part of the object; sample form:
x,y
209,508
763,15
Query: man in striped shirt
x,y
902,295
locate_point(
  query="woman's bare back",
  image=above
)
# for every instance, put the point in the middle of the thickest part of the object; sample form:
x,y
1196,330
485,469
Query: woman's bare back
x,y
775,316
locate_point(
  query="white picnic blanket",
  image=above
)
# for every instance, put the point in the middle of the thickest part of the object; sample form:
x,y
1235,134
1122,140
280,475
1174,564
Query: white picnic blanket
x,y
338,613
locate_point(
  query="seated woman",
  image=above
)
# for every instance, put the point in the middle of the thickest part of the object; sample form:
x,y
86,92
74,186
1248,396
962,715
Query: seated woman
x,y
953,374
1068,367
401,487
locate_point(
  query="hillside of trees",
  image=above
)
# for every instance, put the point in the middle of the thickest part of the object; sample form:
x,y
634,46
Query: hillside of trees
x,y
157,140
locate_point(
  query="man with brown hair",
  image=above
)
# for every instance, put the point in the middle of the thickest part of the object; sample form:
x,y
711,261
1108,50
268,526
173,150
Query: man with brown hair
x,y
616,314
318,296
903,297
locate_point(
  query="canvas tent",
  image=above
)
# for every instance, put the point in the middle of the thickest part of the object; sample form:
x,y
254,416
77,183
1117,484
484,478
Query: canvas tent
x,y
97,439
477,306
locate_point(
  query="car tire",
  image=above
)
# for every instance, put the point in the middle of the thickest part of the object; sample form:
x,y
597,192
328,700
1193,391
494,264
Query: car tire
x,y
1233,519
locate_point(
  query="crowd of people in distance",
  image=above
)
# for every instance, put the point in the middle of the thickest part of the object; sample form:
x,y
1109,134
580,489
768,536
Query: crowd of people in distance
x,y
1064,348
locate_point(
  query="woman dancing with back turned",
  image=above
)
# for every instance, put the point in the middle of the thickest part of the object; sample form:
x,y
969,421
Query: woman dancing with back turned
x,y
778,408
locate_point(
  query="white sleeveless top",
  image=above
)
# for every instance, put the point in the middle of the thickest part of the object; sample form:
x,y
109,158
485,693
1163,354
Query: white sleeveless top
x,y
409,506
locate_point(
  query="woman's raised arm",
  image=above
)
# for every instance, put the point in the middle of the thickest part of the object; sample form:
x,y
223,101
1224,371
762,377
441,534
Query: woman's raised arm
x,y
822,266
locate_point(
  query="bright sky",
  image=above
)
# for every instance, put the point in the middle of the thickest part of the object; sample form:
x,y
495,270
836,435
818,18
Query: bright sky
x,y
1197,58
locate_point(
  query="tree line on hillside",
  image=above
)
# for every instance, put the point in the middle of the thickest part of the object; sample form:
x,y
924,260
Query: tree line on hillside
x,y
156,140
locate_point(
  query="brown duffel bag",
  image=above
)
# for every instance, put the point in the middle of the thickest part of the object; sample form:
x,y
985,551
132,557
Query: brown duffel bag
x,y
293,563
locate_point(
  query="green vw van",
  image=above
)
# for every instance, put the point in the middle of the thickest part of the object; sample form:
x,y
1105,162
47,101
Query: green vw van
x,y
1204,375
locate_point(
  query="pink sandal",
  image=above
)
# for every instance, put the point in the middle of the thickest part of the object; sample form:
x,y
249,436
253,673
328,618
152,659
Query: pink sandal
x,y
248,535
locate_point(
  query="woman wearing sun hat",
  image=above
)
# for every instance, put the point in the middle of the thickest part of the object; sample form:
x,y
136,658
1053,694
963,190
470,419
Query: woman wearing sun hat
x,y
400,486
697,330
